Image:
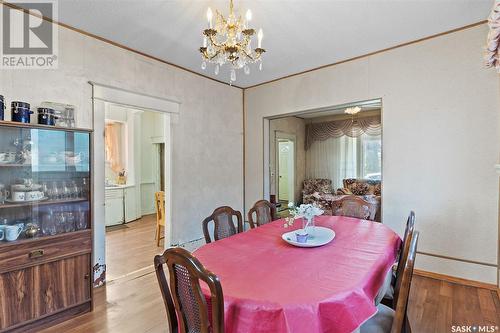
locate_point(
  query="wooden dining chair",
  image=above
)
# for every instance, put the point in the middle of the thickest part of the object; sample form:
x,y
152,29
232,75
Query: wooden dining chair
x,y
223,223
188,310
354,206
388,320
264,212
397,270
160,215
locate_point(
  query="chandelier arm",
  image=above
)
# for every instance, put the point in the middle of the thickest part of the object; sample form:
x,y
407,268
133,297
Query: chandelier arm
x,y
215,55
214,43
248,55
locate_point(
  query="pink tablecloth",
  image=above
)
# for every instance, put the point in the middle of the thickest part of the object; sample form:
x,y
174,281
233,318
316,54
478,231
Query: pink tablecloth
x,y
271,286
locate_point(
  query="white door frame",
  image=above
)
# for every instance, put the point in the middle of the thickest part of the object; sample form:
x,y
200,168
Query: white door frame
x,y
102,95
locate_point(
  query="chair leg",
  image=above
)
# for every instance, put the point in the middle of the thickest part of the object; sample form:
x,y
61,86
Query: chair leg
x,y
407,327
158,235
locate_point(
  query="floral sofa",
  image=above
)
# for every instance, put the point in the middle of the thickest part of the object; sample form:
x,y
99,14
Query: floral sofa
x,y
319,192
370,190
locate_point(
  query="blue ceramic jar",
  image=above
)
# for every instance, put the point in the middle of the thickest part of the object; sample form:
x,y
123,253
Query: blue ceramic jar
x,y
2,107
20,112
46,116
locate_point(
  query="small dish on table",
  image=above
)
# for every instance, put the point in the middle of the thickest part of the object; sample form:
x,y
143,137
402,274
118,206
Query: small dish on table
x,y
317,236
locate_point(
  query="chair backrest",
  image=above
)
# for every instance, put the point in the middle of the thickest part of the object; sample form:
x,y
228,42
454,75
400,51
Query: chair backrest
x,y
354,206
264,212
410,227
223,223
160,207
186,305
403,284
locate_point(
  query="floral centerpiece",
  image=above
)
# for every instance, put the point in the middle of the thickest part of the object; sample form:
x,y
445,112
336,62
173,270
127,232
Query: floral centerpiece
x,y
305,211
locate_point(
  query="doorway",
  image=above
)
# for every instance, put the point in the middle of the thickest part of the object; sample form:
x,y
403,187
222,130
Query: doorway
x,y
102,97
134,159
336,151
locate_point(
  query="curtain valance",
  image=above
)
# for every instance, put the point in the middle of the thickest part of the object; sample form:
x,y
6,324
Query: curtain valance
x,y
334,129
492,46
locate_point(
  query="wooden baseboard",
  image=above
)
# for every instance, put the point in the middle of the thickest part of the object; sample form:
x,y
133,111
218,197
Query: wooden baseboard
x,y
456,280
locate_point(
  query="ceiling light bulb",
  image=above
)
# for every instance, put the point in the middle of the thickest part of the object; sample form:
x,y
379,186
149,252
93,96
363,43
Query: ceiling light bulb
x,y
248,15
209,16
260,35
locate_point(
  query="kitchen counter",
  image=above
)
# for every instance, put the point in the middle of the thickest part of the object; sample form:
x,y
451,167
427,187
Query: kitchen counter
x,y
118,187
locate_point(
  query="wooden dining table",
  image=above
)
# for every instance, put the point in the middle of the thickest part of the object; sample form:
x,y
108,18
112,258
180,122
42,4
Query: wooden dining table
x,y
272,286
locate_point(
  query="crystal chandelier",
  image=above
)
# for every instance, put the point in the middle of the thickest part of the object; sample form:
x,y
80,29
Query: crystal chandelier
x,y
230,42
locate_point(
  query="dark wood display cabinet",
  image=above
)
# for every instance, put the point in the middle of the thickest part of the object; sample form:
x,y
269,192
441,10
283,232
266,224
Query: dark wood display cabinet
x,y
45,225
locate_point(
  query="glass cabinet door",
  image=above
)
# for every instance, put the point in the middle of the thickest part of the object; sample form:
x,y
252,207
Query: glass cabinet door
x,y
44,182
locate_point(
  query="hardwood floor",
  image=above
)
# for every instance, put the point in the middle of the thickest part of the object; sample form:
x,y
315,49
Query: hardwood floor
x,y
131,302
437,305
131,247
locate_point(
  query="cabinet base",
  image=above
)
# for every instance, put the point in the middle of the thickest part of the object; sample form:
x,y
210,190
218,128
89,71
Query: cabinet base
x,y
52,319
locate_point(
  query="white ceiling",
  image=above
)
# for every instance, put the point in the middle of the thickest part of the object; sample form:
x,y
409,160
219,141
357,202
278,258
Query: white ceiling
x,y
299,35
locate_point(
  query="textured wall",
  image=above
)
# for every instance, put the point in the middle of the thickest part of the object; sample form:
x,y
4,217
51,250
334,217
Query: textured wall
x,y
441,139
207,133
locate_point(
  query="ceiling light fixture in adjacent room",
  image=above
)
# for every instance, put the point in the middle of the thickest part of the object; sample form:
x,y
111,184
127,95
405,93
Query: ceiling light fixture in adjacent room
x,y
352,111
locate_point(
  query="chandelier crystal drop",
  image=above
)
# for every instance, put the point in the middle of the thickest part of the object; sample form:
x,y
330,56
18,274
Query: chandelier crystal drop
x,y
229,41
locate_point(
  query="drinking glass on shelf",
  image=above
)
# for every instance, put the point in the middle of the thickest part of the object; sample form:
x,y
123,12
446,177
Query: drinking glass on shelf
x,y
48,224
81,219
59,220
69,223
75,190
85,188
54,191
45,189
66,190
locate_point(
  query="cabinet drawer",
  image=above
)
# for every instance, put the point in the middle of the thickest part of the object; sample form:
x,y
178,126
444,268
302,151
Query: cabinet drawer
x,y
114,194
27,253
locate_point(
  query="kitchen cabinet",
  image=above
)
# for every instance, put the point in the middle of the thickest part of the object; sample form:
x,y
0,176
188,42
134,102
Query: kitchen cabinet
x,y
121,204
114,206
132,208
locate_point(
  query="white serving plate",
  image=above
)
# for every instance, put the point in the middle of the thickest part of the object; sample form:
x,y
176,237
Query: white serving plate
x,y
318,237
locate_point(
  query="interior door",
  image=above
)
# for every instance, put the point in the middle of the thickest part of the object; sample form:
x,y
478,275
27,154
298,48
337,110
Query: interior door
x,y
283,170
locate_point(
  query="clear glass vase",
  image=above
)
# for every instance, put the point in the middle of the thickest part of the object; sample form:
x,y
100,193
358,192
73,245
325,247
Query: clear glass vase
x,y
308,225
